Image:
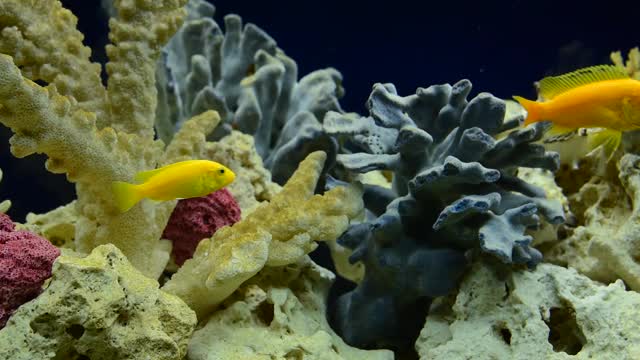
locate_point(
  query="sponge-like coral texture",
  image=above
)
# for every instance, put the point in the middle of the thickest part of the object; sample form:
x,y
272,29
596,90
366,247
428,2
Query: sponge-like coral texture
x,y
551,313
195,219
277,314
99,307
25,263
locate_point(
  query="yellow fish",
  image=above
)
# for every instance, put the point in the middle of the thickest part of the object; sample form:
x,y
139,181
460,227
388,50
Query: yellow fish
x,y
181,180
600,96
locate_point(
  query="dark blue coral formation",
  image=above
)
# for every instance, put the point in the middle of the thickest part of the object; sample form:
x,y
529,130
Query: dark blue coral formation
x,y
252,84
455,194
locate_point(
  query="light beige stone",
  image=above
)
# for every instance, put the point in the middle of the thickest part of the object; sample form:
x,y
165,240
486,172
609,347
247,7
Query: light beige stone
x,y
551,313
278,314
101,307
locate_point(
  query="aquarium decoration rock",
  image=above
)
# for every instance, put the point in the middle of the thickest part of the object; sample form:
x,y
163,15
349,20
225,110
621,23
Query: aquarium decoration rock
x,y
99,307
550,313
25,263
197,218
603,243
454,189
277,314
251,83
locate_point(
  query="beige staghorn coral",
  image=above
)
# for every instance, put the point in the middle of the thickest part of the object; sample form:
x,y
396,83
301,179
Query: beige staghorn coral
x,y
92,134
99,307
551,313
277,314
274,234
632,65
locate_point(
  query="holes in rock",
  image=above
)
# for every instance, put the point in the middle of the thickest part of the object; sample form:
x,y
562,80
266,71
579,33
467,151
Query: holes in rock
x,y
295,354
265,312
564,333
506,335
123,318
76,331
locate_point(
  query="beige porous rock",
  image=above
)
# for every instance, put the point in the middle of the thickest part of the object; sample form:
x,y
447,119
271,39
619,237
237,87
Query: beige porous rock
x,y
99,307
278,314
605,244
551,313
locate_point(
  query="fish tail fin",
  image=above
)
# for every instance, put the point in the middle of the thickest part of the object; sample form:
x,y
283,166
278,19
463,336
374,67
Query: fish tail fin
x,y
608,138
534,110
126,195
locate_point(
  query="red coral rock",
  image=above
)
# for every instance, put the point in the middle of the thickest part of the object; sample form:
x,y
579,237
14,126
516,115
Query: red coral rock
x,y
195,219
25,263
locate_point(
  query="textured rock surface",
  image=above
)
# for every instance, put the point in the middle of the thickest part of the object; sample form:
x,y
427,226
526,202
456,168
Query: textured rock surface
x,y
605,244
551,313
25,263
99,307
278,314
195,219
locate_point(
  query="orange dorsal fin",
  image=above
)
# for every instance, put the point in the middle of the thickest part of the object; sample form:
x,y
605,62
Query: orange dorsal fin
x,y
553,86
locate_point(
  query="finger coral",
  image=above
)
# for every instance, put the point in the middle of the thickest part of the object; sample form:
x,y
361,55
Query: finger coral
x,y
454,190
25,263
245,77
99,307
276,233
94,135
197,218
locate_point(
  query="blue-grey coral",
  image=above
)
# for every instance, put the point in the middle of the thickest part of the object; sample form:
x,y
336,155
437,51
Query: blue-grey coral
x,y
252,84
455,191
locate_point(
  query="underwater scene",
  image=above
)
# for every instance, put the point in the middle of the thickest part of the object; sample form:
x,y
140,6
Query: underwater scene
x,y
182,184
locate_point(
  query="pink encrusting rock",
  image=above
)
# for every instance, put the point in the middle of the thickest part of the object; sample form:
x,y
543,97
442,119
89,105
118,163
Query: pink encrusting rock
x,y
197,218
25,263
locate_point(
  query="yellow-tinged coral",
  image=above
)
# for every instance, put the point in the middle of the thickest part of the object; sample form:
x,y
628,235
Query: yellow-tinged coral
x,y
101,307
632,65
277,314
58,225
138,33
93,135
274,234
43,40
253,183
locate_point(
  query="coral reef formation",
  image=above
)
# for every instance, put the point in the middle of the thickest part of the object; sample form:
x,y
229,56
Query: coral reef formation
x,y
25,263
195,219
454,189
276,233
550,313
93,134
251,83
277,314
99,307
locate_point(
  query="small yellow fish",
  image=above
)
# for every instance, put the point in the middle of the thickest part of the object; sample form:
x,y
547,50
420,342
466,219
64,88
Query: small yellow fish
x,y
181,180
600,96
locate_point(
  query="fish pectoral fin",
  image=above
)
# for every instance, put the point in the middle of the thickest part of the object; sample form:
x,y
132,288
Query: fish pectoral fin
x,y
607,138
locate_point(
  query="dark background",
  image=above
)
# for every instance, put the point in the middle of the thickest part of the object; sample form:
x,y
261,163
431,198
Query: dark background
x,y
502,47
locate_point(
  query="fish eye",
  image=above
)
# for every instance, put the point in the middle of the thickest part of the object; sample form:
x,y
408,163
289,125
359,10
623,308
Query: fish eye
x,y
221,171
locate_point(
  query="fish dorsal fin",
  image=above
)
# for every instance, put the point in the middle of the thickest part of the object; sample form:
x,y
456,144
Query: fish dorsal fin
x,y
146,175
552,86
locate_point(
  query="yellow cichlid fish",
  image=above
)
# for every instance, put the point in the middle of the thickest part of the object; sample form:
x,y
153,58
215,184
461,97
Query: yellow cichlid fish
x,y
600,96
181,180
